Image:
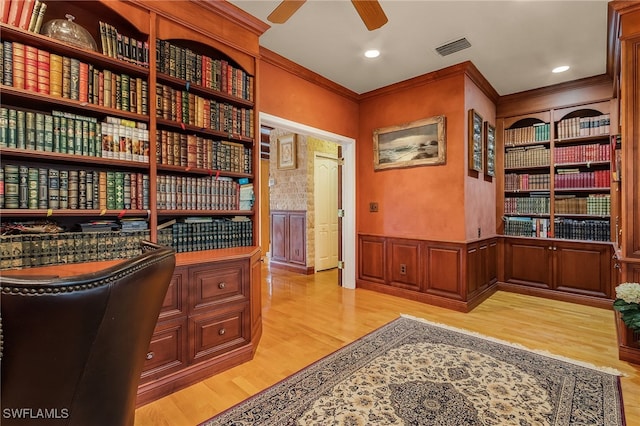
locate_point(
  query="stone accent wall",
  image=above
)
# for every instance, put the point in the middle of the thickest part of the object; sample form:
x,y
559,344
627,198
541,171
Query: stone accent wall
x,y
294,189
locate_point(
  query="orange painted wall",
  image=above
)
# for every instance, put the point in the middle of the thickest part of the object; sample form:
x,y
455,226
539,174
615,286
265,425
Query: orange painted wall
x,y
288,96
426,202
480,190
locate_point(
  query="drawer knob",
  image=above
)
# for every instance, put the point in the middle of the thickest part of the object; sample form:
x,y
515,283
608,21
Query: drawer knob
x,y
221,285
221,331
150,355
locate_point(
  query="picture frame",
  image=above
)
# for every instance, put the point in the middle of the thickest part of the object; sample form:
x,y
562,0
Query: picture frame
x,y
476,142
489,149
287,153
419,143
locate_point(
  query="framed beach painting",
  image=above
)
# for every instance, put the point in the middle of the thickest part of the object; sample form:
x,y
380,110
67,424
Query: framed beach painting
x,y
419,143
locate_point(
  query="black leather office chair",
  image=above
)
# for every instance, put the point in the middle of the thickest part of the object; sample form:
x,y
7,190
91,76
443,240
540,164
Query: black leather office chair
x,y
73,348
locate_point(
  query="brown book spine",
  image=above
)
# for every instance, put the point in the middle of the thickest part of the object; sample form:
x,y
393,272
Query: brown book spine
x,y
55,75
18,65
5,5
192,151
101,96
30,68
66,77
44,62
102,191
107,92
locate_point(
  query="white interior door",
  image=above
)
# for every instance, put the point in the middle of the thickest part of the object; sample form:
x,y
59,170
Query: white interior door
x,y
326,212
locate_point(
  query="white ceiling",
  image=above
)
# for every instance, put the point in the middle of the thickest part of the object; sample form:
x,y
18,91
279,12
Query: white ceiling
x,y
514,43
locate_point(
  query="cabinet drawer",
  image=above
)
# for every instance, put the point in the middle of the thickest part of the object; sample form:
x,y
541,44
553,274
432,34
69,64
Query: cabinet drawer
x,y
217,284
175,300
220,331
167,350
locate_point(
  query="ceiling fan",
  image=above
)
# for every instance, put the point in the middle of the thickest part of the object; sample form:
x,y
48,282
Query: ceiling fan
x,y
370,12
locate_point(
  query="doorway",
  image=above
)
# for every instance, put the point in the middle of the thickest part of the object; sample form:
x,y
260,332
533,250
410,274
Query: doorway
x,y
348,190
325,171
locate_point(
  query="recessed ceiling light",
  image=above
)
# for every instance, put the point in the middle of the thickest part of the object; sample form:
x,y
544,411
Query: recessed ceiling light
x,y
372,53
560,69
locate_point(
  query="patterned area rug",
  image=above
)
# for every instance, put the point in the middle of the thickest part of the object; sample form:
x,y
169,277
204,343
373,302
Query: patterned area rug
x,y
412,372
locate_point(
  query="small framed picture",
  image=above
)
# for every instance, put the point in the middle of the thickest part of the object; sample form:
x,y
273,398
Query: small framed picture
x,y
476,147
489,149
287,152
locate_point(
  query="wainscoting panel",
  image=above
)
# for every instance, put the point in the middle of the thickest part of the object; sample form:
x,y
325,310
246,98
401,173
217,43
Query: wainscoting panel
x,y
435,272
404,263
371,263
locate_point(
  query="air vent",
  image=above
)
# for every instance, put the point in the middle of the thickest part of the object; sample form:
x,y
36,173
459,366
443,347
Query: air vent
x,y
453,47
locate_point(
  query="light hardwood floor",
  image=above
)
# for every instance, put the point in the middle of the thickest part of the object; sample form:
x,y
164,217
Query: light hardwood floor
x,y
307,317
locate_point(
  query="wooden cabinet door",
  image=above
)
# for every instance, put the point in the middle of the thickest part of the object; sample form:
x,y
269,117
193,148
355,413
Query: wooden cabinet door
x,y
529,262
297,239
279,236
583,268
167,350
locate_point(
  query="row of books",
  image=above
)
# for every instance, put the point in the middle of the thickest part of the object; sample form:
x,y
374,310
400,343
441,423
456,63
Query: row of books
x,y
68,133
30,250
122,47
593,230
527,157
197,193
196,68
525,182
576,127
37,70
593,204
208,235
25,14
184,107
526,227
193,151
581,154
574,178
527,205
49,188
526,135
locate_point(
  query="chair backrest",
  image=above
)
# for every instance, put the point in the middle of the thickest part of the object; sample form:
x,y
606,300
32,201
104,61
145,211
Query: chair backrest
x,y
73,348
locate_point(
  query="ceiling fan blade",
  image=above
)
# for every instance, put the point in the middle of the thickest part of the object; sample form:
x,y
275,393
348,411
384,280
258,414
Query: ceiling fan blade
x,y
284,11
371,13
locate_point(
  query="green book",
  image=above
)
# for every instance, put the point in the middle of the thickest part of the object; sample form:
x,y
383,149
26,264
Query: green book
x,y
91,139
21,129
11,186
98,140
39,131
119,190
4,126
111,191
30,132
63,135
2,187
71,135
11,135
43,188
54,189
32,188
85,138
23,187
48,133
56,133
77,137
63,194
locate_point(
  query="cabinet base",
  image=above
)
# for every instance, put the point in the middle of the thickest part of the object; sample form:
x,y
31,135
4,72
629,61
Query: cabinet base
x,y
301,269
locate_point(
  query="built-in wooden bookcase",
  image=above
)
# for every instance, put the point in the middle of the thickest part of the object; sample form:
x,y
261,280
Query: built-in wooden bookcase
x,y
557,174
191,88
105,138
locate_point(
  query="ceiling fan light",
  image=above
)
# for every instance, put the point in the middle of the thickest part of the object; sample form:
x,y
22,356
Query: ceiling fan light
x,y
372,53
